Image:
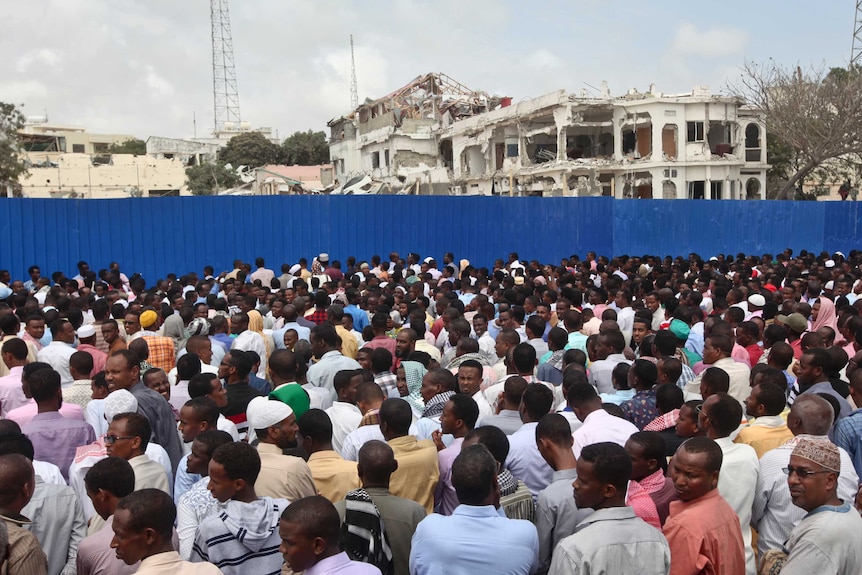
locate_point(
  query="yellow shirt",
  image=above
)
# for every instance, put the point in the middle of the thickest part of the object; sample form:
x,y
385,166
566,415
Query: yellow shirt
x,y
764,434
333,475
417,473
348,342
282,475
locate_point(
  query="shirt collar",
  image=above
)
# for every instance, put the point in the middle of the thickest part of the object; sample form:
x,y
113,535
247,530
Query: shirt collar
x,y
476,510
565,474
772,421
843,508
608,514
325,454
269,448
332,564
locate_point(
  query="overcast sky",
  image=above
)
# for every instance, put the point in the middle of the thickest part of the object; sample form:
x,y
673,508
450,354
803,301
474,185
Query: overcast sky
x,y
145,67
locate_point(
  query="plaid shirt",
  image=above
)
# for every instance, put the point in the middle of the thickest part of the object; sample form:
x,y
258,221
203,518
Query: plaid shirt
x,y
162,353
371,417
387,382
318,317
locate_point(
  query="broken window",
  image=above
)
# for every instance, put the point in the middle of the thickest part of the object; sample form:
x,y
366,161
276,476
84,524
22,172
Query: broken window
x,y
715,190
630,141
696,190
752,189
668,141
752,143
511,149
386,157
719,138
694,131
375,160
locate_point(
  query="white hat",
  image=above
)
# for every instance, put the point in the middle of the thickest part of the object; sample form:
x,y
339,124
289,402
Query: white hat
x,y
323,258
86,331
757,300
829,285
263,412
830,263
428,260
713,259
294,268
120,401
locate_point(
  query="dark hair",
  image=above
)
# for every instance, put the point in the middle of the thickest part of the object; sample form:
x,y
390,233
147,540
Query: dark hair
x,y
212,439
654,446
717,379
714,456
44,384
317,517
537,400
466,409
819,358
16,443
188,366
315,423
17,347
381,360
201,384
772,397
242,362
473,474
668,397
611,464
239,460
645,371
492,438
325,332
555,428
580,393
82,362
113,474
137,426
205,409
396,413
524,358
150,509
725,414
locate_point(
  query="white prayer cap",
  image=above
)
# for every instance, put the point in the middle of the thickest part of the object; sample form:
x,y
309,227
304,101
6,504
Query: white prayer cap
x,y
830,263
263,412
120,401
294,268
829,285
757,300
86,331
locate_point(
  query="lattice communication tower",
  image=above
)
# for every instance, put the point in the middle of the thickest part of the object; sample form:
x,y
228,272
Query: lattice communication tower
x,y
225,94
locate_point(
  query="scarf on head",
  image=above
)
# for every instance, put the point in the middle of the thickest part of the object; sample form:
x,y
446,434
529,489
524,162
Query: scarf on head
x,y
435,407
363,534
414,372
456,362
556,359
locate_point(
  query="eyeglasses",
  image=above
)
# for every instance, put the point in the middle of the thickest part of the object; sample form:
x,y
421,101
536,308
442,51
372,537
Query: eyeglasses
x,y
802,473
112,439
701,410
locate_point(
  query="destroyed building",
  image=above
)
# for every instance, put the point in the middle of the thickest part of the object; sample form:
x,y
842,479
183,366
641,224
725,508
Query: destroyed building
x,y
431,138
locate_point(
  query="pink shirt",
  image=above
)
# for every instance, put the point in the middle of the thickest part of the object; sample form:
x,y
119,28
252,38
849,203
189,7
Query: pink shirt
x,y
24,414
99,357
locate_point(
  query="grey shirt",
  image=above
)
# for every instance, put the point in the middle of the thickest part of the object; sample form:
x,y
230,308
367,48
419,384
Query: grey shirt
x,y
58,523
400,517
612,540
509,420
158,412
557,515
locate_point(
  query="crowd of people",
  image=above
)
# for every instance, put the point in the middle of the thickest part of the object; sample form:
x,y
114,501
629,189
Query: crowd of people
x,y
399,416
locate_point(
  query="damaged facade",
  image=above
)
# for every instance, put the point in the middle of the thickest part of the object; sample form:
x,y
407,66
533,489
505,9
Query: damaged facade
x,y
641,145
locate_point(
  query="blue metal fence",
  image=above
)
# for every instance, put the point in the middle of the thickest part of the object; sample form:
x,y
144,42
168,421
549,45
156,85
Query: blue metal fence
x,y
155,236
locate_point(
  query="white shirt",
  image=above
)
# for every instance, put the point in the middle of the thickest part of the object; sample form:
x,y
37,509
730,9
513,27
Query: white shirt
x,y
362,435
737,483
626,321
773,514
225,424
525,462
737,372
49,472
205,368
484,407
57,354
318,397
487,346
322,373
601,426
252,341
601,372
345,418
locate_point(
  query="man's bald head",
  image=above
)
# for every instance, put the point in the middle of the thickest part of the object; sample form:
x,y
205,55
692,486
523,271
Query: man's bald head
x,y
811,415
282,362
376,463
16,482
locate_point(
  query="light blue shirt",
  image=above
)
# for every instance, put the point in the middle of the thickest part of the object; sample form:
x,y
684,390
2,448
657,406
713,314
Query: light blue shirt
x,y
617,398
302,332
184,480
474,540
322,373
525,462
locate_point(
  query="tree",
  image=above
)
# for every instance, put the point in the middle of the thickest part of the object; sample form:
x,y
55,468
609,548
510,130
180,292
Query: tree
x,y
306,149
250,149
210,178
130,146
816,114
12,156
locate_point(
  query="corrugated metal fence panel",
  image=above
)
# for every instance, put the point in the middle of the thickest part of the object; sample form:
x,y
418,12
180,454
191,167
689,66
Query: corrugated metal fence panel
x,y
842,226
155,236
678,227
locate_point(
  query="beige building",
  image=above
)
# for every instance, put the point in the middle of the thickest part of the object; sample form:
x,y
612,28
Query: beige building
x,y
69,162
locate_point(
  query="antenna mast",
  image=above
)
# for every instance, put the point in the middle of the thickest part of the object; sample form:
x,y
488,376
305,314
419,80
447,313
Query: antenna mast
x,y
856,51
225,94
354,91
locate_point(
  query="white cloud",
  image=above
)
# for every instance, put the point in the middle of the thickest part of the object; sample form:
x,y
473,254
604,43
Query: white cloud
x,y
544,59
23,92
158,85
41,57
709,42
